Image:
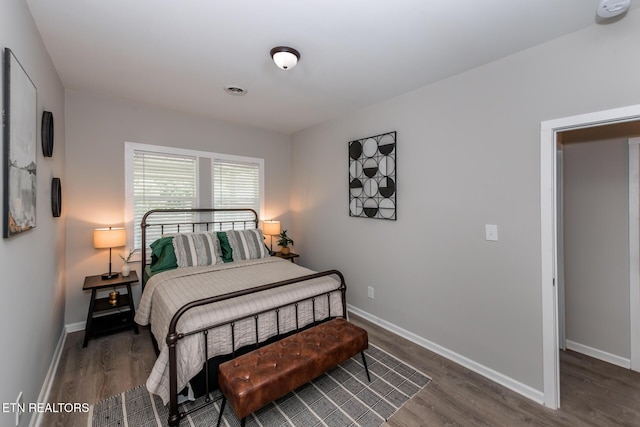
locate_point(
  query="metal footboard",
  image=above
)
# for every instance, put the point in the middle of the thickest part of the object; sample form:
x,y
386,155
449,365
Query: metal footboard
x,y
173,336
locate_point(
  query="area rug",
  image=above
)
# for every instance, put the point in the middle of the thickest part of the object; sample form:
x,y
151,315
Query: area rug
x,y
340,397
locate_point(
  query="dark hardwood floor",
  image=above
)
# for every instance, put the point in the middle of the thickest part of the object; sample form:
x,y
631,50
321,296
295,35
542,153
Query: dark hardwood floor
x,y
593,393
108,366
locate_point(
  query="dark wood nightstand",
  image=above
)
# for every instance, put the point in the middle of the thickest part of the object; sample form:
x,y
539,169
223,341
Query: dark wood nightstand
x,y
118,319
291,256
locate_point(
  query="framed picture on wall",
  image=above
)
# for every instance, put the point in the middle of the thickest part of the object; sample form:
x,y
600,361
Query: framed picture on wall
x,y
19,146
372,177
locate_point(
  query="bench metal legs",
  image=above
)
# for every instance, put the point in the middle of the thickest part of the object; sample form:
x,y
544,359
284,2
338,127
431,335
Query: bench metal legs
x,y
224,401
366,368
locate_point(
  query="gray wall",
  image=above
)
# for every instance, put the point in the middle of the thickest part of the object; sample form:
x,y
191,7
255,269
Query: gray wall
x,y
468,155
596,241
32,263
97,128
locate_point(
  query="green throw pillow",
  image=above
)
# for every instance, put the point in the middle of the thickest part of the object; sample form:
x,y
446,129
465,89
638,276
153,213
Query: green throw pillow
x,y
227,252
163,256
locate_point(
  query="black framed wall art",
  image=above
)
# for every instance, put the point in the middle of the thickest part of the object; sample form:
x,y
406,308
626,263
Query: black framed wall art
x,y
372,177
19,147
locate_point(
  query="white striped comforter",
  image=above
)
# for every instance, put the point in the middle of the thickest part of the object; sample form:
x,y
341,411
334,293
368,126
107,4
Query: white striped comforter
x,y
166,292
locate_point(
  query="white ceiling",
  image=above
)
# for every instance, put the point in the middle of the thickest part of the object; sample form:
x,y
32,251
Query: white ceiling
x,y
180,54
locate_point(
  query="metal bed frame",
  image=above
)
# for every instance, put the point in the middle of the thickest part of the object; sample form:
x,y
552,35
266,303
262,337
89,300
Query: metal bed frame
x,y
174,336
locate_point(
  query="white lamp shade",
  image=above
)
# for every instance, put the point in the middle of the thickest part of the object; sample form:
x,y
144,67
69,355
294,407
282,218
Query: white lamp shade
x,y
109,237
285,60
271,228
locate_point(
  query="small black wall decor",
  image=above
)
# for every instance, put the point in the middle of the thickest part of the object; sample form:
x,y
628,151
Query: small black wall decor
x,y
372,177
47,134
56,197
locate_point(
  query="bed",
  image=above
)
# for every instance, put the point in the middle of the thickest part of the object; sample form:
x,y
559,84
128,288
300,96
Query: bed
x,y
225,295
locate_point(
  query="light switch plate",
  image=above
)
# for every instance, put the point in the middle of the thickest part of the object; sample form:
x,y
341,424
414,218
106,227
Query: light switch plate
x,y
491,232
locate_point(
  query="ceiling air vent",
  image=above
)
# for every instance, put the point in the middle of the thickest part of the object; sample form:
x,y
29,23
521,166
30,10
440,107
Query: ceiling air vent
x,y
235,90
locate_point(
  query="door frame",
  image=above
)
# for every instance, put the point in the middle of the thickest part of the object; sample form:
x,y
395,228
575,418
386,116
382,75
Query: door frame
x,y
634,250
548,238
562,336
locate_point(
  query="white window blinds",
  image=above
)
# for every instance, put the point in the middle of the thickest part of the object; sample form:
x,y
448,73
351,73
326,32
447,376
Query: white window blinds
x,y
160,177
235,185
162,181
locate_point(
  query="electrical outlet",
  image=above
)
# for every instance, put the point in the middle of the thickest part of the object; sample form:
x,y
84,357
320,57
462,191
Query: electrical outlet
x,y
370,292
19,409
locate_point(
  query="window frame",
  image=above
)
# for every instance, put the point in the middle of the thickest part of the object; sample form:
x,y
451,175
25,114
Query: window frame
x,y
130,147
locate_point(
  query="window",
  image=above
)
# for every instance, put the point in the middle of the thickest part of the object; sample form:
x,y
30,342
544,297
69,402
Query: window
x,y
162,181
164,177
235,185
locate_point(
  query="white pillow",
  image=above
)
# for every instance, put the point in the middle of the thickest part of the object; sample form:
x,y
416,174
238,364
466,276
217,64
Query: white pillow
x,y
247,244
194,249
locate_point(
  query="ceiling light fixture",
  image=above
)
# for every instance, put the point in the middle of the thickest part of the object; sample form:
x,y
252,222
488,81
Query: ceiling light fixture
x,y
285,57
611,8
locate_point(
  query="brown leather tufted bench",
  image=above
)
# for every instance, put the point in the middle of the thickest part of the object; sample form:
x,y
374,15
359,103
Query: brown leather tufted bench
x,y
254,379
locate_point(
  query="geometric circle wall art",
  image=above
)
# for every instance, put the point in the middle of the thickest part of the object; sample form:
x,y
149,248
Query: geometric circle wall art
x,y
372,177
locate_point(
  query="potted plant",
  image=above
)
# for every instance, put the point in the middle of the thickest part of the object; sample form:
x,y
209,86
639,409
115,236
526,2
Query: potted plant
x,y
284,242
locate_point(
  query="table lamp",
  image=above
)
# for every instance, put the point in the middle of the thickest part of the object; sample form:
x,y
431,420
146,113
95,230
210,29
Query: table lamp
x,y
271,228
109,238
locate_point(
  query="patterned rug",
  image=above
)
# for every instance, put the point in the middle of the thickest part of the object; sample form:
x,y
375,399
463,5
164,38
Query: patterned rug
x,y
340,397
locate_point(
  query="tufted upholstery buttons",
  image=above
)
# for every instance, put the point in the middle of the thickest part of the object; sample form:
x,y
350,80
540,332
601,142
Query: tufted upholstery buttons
x,y
254,379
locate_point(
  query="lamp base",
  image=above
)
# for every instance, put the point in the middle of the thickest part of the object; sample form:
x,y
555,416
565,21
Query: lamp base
x,y
107,276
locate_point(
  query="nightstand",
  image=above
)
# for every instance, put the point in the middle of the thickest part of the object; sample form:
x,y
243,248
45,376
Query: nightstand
x,y
291,256
115,317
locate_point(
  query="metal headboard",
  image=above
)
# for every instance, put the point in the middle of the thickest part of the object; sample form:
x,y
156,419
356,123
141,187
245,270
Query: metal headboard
x,y
192,226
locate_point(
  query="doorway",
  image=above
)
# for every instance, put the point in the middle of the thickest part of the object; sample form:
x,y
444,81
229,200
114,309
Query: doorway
x,y
594,241
549,242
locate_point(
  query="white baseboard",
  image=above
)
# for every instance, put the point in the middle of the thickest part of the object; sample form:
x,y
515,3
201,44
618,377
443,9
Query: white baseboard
x,y
75,327
36,418
599,354
520,388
